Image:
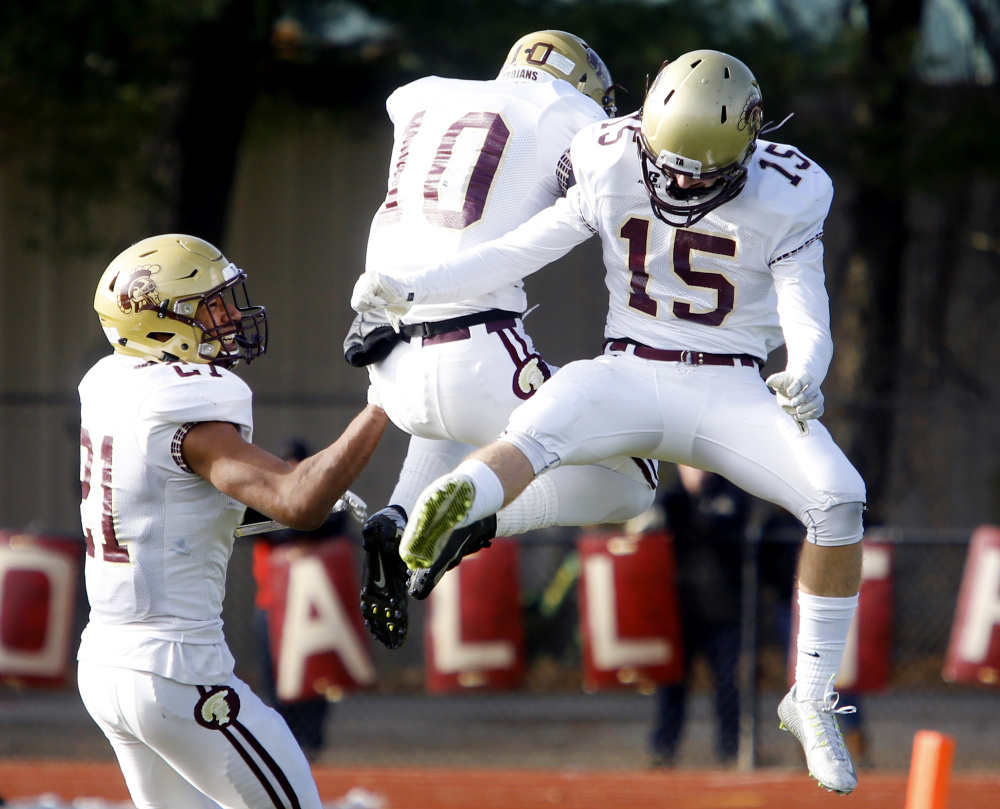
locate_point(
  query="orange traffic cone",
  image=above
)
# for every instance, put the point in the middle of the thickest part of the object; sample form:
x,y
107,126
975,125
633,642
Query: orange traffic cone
x,y
930,770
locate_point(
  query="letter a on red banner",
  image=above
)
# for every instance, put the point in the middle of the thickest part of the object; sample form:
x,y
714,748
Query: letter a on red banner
x,y
866,664
628,611
974,648
318,642
474,634
38,581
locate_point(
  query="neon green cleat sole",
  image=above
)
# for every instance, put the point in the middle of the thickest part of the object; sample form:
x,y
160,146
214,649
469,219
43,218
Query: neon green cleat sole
x,y
437,514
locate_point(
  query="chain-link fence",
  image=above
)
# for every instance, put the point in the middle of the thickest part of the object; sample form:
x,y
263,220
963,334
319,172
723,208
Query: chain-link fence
x,y
551,721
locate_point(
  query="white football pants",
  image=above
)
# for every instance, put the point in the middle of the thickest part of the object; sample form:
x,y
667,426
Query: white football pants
x,y
718,418
196,747
455,396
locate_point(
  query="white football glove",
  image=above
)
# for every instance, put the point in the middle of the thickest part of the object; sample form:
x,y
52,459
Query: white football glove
x,y
797,394
374,290
373,397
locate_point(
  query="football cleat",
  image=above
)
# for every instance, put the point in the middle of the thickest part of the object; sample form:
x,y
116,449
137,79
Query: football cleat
x,y
438,510
814,724
383,589
463,542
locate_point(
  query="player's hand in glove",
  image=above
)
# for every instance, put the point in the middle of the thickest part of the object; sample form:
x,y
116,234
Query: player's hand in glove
x,y
374,290
797,394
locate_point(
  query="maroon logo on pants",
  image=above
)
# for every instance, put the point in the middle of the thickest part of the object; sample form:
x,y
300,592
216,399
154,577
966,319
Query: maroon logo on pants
x,y
530,370
217,708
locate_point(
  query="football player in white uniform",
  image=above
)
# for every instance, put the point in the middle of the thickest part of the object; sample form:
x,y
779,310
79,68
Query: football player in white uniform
x,y
713,251
167,470
471,161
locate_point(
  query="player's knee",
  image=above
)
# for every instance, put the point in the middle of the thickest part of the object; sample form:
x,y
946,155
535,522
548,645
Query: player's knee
x,y
539,457
635,498
838,525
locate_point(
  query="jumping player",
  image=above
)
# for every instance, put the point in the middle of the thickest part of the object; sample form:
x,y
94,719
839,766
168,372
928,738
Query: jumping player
x,y
713,249
471,161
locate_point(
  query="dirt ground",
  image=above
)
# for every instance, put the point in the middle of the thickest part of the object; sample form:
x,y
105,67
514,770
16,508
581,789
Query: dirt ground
x,y
573,752
459,788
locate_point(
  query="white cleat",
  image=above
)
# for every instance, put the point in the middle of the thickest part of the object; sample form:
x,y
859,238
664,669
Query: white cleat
x,y
814,724
436,514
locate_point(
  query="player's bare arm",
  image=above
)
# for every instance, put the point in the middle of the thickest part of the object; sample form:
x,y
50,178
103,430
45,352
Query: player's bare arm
x,y
300,497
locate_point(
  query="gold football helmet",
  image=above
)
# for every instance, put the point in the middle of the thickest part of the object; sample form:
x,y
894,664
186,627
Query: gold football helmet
x,y
176,297
700,118
566,57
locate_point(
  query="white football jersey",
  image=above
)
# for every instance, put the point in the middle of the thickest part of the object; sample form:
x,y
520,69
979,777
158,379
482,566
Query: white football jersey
x,y
159,536
472,160
743,280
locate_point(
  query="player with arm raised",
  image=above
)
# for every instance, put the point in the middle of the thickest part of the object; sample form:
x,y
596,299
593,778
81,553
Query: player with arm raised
x,y
167,469
471,161
713,251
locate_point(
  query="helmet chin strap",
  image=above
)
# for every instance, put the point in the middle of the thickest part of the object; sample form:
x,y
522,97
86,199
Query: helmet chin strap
x,y
677,220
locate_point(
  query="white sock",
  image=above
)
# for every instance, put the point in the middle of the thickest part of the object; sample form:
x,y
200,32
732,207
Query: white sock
x,y
489,490
535,507
824,622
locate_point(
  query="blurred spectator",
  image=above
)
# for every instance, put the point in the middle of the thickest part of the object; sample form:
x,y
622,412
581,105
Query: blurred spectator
x,y
707,516
308,717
